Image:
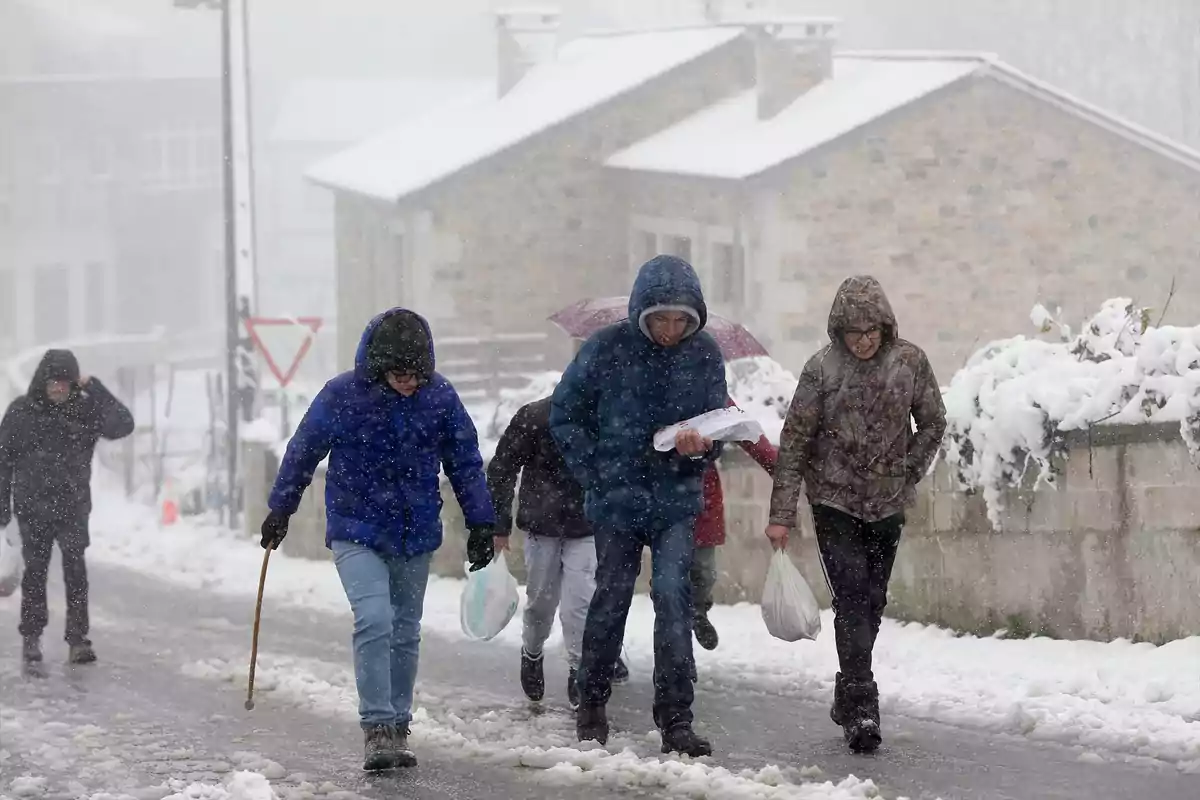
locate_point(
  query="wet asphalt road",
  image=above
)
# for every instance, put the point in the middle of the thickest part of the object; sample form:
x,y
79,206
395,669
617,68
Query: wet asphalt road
x,y
157,721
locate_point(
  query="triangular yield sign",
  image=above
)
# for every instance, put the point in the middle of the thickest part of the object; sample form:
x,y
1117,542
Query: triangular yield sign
x,y
283,342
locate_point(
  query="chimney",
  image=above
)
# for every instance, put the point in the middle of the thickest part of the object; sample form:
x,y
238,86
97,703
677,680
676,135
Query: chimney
x,y
792,54
525,38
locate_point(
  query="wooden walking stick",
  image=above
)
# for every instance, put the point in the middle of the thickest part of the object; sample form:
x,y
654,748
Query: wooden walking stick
x,y
262,582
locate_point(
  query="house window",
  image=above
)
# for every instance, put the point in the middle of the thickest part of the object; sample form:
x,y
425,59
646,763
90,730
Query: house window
x,y
793,267
102,157
645,245
680,246
728,274
51,303
95,307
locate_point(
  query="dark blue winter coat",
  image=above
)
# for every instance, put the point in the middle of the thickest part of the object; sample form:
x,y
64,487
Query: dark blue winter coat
x,y
381,485
620,389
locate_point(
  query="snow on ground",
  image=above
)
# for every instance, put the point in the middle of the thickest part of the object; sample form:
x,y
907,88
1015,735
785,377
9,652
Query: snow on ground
x,y
502,731
1118,698
1011,402
49,750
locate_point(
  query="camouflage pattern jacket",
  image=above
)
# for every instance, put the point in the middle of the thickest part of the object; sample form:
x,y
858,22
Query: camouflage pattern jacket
x,y
848,438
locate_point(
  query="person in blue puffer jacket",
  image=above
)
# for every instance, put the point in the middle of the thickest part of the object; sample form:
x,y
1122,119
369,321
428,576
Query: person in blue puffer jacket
x,y
387,426
628,381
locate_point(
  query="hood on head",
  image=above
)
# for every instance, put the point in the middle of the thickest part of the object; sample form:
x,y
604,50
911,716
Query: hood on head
x,y
860,303
397,339
56,365
667,283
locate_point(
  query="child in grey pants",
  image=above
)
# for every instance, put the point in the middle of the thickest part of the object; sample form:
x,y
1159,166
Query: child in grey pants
x,y
560,551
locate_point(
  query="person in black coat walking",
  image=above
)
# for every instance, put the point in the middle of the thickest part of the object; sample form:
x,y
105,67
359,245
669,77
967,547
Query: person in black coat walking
x,y
560,550
47,440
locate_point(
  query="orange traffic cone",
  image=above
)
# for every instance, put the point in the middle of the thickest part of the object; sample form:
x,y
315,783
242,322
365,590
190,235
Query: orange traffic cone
x,y
170,504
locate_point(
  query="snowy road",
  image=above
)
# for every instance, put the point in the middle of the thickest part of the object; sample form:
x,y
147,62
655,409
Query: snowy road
x,y
165,703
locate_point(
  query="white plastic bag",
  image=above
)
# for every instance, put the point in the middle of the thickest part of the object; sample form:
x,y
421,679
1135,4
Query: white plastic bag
x,y
723,425
489,600
788,605
11,563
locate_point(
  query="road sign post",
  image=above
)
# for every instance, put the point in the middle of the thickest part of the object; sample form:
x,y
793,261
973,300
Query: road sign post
x,y
282,364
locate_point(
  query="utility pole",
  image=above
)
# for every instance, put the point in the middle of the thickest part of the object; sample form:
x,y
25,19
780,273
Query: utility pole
x,y
236,306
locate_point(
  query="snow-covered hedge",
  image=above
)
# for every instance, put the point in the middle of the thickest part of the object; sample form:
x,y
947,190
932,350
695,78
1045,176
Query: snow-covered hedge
x,y
1008,408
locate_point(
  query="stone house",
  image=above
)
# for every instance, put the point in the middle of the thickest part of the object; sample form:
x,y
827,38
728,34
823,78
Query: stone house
x,y
777,166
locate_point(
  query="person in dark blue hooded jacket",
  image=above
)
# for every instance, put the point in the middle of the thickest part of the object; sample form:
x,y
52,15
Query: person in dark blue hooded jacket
x,y
386,426
628,381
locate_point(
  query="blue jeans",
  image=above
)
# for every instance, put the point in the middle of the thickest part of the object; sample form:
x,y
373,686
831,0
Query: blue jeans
x,y
619,559
387,596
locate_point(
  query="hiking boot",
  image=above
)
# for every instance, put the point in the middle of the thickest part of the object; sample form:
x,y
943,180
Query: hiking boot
x,y
591,724
81,654
379,751
31,658
400,752
837,712
861,726
682,739
31,650
533,680
572,691
620,672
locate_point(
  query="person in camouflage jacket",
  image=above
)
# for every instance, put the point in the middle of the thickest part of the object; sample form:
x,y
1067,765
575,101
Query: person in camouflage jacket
x,y
848,441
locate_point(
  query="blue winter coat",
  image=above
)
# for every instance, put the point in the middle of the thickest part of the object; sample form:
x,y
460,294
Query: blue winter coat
x,y
620,389
381,485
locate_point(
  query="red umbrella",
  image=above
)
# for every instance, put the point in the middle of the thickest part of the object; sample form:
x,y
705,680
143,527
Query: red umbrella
x,y
580,320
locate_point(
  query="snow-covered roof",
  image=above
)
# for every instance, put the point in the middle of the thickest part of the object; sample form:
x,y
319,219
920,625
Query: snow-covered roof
x,y
728,140
585,74
347,111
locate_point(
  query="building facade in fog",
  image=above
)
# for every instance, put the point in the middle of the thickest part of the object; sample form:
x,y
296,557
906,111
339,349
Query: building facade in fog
x,y
778,168
109,188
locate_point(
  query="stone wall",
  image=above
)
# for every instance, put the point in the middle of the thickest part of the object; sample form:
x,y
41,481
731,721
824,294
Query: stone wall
x,y
1114,551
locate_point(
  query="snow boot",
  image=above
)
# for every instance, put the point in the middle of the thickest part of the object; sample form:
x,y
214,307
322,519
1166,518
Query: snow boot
x,y
620,672
861,726
572,691
837,712
683,740
706,634
533,680
81,653
591,723
31,657
378,748
400,752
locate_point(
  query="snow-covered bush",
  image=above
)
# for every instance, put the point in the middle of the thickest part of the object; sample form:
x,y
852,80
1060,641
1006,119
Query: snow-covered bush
x,y
1008,408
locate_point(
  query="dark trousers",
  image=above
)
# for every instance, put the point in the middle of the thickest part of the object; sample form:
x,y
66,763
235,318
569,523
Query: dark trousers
x,y
618,562
857,558
37,545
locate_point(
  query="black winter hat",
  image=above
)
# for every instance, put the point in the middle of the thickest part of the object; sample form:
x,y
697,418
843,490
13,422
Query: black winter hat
x,y
401,344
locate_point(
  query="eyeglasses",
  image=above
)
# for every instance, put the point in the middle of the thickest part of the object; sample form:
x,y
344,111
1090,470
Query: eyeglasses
x,y
856,335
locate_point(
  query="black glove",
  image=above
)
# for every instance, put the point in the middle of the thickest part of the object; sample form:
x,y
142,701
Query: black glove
x,y
480,547
274,528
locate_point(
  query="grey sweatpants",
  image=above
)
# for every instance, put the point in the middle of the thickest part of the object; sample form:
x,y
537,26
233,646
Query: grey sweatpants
x,y
561,575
